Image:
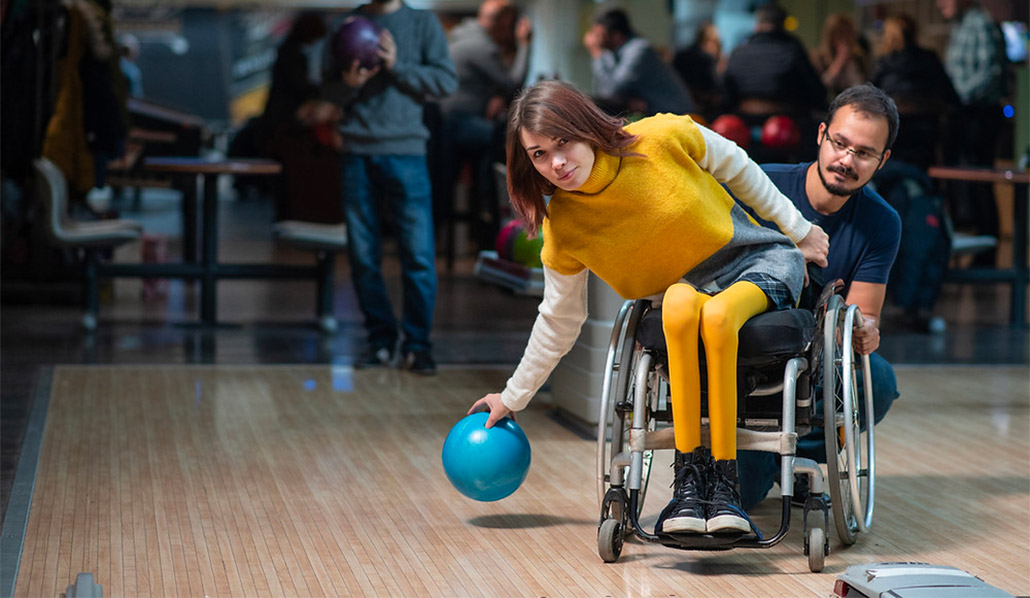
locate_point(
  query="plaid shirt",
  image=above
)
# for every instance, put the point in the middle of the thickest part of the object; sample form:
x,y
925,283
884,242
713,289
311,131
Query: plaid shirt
x,y
975,58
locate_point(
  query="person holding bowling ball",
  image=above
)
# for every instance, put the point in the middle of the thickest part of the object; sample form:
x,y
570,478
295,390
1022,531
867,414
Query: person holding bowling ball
x,y
643,207
384,159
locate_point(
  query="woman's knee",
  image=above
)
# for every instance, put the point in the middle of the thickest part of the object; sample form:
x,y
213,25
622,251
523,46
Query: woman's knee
x,y
680,309
718,326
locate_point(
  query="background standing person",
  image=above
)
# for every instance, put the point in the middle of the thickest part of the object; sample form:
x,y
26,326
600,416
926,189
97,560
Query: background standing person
x,y
629,75
865,231
975,61
384,160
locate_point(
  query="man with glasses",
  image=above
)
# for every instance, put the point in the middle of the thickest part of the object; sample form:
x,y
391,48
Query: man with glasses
x,y
865,231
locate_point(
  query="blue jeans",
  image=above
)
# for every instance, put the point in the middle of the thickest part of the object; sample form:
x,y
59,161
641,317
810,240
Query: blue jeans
x,y
401,183
757,470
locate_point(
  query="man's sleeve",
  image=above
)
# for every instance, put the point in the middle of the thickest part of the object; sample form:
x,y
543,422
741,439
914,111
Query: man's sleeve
x,y
506,80
435,75
885,238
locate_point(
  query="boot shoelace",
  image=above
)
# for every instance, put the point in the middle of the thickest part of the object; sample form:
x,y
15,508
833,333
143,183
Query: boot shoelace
x,y
681,478
723,494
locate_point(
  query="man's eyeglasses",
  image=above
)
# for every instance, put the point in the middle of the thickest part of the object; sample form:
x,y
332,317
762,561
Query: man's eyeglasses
x,y
860,155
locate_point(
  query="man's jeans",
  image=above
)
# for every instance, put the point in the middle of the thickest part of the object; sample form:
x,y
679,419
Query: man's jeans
x,y
396,186
757,470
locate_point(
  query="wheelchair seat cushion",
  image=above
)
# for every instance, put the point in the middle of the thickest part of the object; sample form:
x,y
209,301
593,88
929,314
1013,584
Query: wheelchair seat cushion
x,y
769,335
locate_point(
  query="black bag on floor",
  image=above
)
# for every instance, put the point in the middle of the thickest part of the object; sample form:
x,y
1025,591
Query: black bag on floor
x,y
922,261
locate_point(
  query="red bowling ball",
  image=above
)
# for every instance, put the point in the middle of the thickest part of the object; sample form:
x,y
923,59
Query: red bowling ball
x,y
734,128
780,132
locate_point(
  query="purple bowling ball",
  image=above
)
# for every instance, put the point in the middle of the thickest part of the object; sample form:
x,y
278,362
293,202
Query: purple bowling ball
x,y
357,39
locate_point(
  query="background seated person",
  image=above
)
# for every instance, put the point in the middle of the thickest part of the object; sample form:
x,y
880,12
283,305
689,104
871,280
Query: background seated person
x,y
629,75
841,59
700,65
915,78
770,72
491,55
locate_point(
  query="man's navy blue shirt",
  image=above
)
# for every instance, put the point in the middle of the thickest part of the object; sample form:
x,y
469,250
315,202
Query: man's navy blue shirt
x,y
864,233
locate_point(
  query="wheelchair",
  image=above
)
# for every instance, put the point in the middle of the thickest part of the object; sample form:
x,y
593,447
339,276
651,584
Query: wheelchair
x,y
782,357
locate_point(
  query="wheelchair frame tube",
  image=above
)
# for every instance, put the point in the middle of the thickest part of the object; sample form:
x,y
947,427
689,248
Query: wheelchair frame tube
x,y
791,373
636,458
614,353
790,379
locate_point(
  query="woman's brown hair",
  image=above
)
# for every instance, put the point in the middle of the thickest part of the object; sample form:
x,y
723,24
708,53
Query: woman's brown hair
x,y
556,110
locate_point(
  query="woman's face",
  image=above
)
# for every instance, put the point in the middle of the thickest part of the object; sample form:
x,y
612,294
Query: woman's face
x,y
565,164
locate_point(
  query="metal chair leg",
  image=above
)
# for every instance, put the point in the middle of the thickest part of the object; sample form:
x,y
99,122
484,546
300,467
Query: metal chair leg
x,y
324,306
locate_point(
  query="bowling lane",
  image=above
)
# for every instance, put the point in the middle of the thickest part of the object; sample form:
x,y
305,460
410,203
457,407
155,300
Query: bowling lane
x,y
319,480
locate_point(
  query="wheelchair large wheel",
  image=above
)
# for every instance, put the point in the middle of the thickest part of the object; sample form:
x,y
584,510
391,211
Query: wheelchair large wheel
x,y
850,452
622,378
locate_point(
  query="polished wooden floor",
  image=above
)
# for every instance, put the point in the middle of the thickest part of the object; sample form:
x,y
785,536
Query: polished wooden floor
x,y
322,480
932,504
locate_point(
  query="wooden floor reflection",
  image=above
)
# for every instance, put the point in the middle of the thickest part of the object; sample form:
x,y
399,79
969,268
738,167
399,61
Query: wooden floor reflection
x,y
320,480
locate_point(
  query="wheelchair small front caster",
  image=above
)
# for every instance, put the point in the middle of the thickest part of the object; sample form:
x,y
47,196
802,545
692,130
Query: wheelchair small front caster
x,y
609,540
816,547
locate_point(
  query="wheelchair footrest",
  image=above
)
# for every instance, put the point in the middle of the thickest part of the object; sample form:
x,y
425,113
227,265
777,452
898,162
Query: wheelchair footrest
x,y
704,541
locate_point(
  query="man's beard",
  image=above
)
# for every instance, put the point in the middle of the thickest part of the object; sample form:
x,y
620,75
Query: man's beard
x,y
839,190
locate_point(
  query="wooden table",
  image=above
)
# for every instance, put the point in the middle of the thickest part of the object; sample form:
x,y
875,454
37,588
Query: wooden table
x,y
1018,277
207,269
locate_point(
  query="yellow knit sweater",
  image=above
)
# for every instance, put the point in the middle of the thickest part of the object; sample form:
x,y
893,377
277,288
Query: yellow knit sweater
x,y
641,222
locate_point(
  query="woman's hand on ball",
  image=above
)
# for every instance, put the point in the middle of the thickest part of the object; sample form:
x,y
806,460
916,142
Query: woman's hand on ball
x,y
492,403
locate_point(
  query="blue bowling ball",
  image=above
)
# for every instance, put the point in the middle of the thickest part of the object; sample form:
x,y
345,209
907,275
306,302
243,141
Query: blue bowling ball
x,y
482,464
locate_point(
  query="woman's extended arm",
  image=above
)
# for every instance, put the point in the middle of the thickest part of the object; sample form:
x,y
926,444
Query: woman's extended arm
x,y
560,318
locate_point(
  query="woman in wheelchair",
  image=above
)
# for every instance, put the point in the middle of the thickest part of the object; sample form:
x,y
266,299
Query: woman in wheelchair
x,y
643,207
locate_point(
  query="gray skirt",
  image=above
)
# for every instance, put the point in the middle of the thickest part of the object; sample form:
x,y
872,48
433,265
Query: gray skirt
x,y
756,254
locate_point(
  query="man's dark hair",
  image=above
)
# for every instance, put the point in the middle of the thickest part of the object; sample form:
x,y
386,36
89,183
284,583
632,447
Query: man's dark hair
x,y
770,13
868,99
615,20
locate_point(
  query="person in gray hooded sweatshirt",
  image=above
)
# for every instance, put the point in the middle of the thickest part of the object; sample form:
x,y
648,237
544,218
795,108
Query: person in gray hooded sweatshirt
x,y
384,160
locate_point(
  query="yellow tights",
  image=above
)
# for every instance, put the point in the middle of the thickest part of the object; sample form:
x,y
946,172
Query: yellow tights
x,y
686,314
